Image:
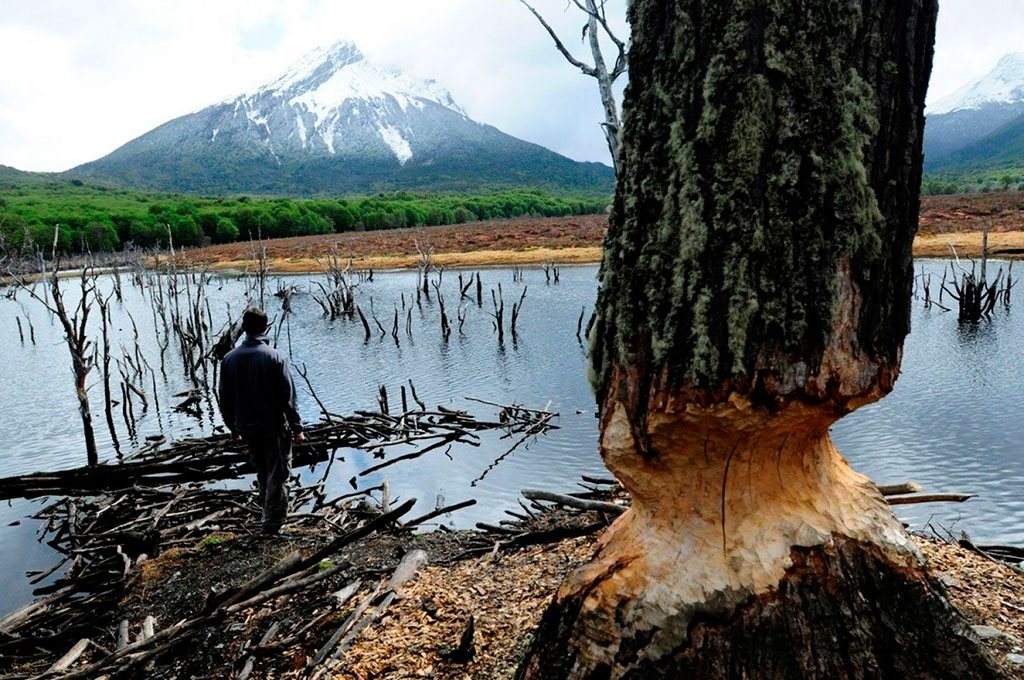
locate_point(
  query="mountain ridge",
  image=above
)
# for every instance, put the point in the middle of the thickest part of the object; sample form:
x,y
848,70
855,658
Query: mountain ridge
x,y
334,122
981,125
1004,84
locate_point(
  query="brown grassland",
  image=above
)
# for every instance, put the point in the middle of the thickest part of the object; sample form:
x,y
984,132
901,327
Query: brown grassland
x,y
946,221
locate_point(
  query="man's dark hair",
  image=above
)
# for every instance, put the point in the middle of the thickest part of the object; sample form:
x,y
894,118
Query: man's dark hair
x,y
254,321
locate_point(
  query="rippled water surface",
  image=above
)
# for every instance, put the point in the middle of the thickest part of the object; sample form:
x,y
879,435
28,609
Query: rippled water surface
x,y
955,421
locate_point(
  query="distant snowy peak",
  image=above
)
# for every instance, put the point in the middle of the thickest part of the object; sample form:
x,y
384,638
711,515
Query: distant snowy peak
x,y
326,77
1003,85
336,123
318,99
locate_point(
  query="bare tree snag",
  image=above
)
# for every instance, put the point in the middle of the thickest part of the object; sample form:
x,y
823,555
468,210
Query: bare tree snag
x,y
755,288
596,25
75,324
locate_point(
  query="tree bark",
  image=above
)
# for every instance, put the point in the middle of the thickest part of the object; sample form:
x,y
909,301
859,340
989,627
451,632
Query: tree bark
x,y
77,339
91,454
605,83
756,287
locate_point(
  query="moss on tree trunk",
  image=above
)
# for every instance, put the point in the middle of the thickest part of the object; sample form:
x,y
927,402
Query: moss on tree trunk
x,y
771,160
755,287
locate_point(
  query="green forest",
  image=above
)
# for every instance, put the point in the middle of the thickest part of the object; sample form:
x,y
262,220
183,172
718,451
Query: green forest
x,y
1010,178
99,218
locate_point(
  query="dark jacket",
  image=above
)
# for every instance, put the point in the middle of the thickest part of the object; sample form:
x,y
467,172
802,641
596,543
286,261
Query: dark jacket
x,y
257,394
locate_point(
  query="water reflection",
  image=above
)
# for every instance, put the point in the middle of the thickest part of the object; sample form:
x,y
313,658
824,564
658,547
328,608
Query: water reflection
x,y
954,422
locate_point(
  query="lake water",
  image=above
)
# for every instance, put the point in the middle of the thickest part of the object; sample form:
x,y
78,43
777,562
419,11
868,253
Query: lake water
x,y
955,421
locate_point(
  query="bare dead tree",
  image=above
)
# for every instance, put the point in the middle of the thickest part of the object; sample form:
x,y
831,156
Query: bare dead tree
x,y
373,315
464,287
258,283
366,326
75,323
975,295
423,268
103,302
517,308
596,24
446,328
498,300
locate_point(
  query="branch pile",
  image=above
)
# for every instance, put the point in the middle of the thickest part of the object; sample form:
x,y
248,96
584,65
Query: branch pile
x,y
221,457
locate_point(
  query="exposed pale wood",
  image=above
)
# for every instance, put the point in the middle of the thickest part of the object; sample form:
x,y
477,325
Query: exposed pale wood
x,y
930,498
70,657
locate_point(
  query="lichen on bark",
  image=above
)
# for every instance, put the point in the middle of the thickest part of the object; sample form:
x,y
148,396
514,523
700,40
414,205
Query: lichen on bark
x,y
755,287
788,165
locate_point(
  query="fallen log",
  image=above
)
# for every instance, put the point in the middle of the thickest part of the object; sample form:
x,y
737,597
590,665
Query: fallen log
x,y
250,660
573,502
930,498
898,489
65,662
231,596
358,621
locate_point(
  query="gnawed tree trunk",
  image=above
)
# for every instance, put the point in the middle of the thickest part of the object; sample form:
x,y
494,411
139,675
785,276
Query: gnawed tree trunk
x,y
756,287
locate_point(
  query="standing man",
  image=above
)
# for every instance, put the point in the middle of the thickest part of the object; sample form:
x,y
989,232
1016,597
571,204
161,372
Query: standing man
x,y
257,401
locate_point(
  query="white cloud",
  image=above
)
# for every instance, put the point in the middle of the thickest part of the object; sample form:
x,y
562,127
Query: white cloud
x,y
972,35
80,78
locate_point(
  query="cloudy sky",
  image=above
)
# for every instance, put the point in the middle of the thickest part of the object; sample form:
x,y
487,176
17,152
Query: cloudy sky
x,y
81,77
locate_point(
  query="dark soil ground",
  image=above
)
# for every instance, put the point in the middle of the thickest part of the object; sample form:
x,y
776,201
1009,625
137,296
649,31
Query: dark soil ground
x,y
503,590
999,212
175,586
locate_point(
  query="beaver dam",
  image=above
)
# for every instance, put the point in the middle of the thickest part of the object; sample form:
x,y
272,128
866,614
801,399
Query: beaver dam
x,y
168,579
450,480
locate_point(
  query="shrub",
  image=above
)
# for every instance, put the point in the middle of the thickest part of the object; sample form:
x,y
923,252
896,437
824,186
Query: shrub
x,y
100,237
225,231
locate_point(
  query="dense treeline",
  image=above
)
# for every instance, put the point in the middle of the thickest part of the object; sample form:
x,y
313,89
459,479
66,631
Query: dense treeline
x,y
980,181
103,219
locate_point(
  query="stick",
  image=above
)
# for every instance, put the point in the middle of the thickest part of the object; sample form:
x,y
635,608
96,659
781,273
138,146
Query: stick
x,y
897,489
250,660
440,511
145,649
573,502
70,657
930,498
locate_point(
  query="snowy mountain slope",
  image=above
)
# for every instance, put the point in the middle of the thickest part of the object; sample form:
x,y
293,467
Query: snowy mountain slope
x,y
1003,85
973,113
335,122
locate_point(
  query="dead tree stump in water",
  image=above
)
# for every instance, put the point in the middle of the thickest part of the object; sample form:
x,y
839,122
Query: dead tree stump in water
x,y
975,296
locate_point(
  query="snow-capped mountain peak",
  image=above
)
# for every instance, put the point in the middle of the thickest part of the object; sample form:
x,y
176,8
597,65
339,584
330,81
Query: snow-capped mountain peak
x,y
335,122
325,77
1003,85
322,60
332,98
